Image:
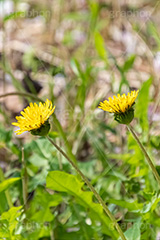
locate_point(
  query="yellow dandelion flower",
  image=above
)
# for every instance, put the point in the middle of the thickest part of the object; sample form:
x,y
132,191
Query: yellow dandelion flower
x,y
34,118
121,106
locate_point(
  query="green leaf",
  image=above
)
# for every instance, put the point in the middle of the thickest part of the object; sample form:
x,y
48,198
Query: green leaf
x,y
5,136
31,61
129,63
82,75
141,108
100,47
13,16
40,210
134,232
153,31
131,206
12,214
64,182
39,149
155,142
4,232
43,201
9,221
124,80
3,202
3,199
38,160
94,13
151,206
7,183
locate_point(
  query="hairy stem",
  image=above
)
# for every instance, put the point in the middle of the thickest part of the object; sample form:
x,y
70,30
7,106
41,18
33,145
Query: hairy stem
x,y
115,224
154,171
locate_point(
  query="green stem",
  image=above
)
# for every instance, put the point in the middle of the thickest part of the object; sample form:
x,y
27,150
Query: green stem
x,y
115,224
24,181
68,147
154,171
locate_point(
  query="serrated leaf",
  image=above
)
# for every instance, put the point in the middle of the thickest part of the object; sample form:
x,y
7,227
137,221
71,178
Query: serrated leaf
x,y
64,182
43,201
10,218
7,183
12,214
40,211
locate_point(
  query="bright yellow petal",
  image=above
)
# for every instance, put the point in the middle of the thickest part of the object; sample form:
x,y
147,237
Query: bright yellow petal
x,y
119,103
34,116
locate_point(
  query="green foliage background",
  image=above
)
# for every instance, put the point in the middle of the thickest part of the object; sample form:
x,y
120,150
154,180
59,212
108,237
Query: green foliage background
x,y
59,205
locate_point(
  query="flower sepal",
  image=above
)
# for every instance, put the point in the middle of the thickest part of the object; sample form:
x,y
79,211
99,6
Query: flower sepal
x,y
42,131
126,117
121,106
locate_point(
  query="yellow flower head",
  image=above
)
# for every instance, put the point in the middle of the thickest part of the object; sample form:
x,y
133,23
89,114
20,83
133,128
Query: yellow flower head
x,y
35,118
121,106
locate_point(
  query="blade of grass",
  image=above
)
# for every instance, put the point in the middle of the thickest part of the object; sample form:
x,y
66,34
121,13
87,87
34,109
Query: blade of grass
x,y
8,197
